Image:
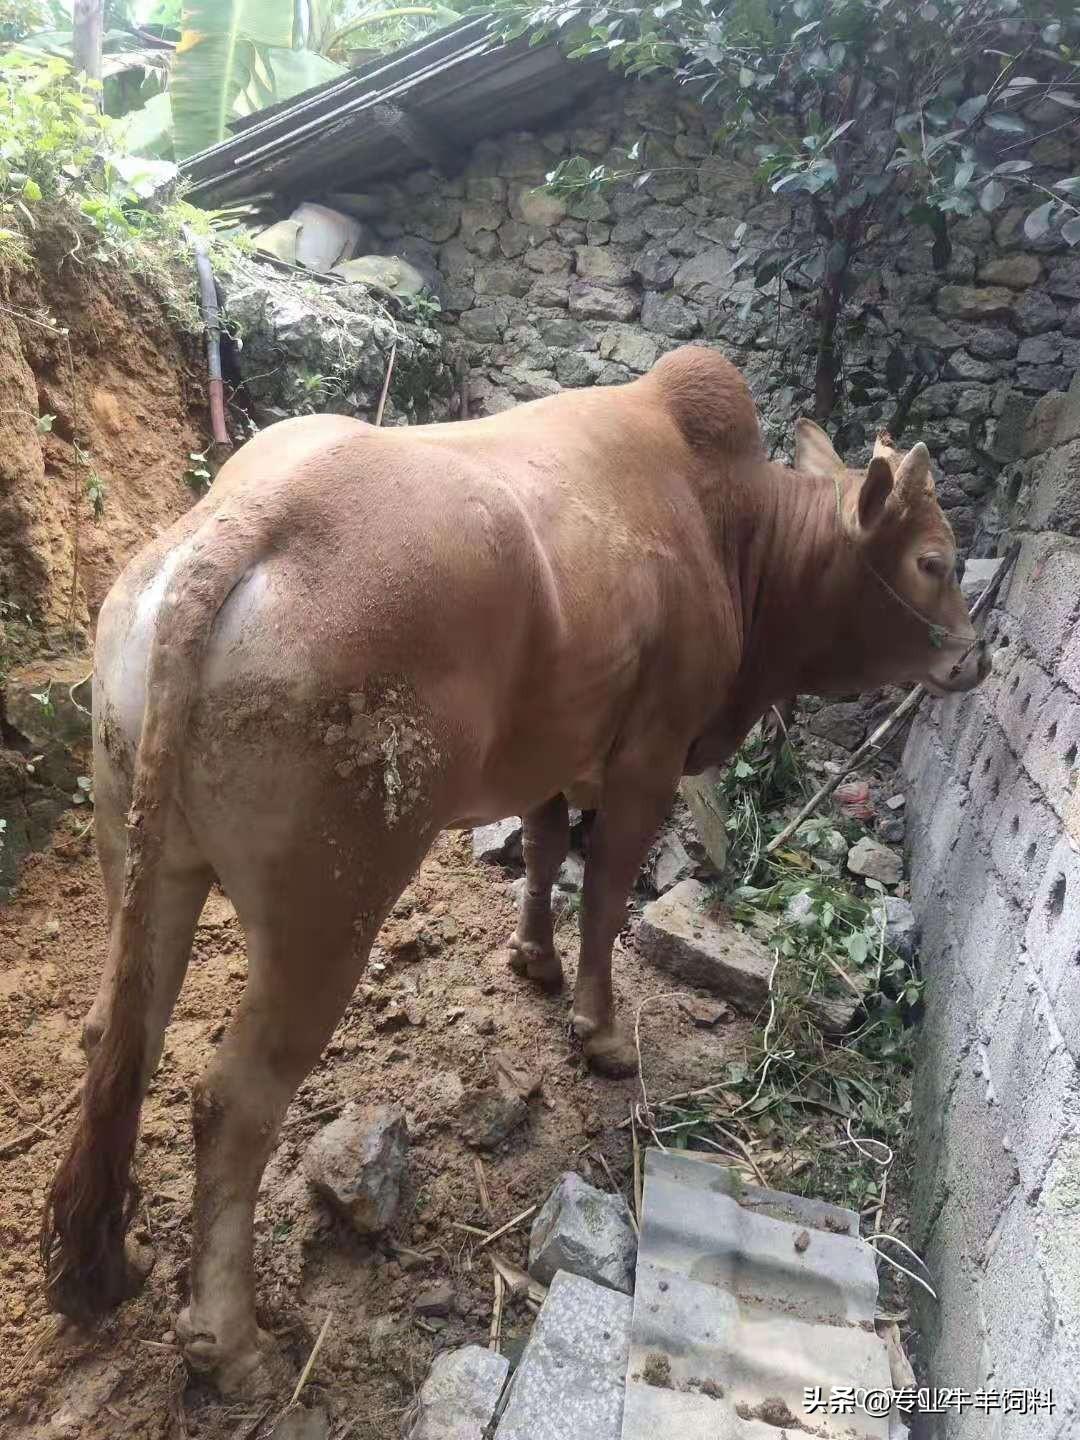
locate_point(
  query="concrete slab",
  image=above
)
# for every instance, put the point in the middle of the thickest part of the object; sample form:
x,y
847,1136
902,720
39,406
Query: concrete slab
x,y
678,933
569,1384
744,1298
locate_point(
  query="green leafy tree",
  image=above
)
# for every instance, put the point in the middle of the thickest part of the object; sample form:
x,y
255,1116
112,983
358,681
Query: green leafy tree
x,y
862,112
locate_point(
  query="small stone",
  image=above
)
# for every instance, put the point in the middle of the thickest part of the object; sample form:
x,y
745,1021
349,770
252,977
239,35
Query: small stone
x,y
488,1115
1016,271
397,1017
500,843
485,1025
538,207
357,1163
597,302
584,1231
707,277
929,330
1035,313
656,268
669,315
802,1241
436,1301
629,347
844,724
704,1013
799,911
875,862
459,1398
669,863
992,343
485,325
965,302
298,1424
603,263
901,926
571,874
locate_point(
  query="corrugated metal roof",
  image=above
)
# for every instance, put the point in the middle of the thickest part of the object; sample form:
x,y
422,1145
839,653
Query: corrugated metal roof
x,y
429,102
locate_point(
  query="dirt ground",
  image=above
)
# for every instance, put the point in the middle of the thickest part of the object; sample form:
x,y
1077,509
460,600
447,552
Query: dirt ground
x,y
127,1379
97,348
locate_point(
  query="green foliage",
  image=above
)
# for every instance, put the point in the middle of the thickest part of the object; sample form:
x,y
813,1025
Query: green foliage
x,y
342,26
861,111
19,18
826,933
197,475
234,57
423,307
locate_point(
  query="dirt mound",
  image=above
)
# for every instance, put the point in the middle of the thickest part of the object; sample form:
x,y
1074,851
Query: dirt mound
x,y
464,1005
94,345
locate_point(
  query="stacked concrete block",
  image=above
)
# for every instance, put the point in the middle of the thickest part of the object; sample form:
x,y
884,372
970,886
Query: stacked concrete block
x,y
994,829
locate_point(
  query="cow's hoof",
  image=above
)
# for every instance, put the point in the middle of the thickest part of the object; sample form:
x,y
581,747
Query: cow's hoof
x,y
543,967
250,1371
611,1053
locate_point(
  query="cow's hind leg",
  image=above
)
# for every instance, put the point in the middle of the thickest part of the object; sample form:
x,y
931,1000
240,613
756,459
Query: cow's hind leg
x,y
545,842
307,945
637,795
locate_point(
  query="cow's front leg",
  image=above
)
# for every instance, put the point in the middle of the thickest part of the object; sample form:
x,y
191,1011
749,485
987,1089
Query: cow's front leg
x,y
545,843
634,807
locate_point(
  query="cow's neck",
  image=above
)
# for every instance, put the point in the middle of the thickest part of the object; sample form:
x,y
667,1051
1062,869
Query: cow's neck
x,y
796,594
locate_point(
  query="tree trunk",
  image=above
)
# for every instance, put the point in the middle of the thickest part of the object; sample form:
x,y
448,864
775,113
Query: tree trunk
x,y
88,23
830,303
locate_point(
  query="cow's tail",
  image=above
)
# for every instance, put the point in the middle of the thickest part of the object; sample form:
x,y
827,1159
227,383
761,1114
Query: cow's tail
x,y
93,1196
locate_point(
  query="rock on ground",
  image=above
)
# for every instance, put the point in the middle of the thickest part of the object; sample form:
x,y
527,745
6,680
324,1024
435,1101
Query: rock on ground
x,y
500,843
302,1425
669,862
357,1163
586,1232
487,1116
875,862
901,927
678,934
458,1399
437,1300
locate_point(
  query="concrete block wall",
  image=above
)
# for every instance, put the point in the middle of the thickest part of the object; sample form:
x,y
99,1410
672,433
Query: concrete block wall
x,y
994,833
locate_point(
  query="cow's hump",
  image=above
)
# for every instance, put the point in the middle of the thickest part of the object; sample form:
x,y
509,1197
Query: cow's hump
x,y
709,400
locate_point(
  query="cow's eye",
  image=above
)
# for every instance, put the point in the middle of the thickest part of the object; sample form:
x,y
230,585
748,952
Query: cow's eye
x,y
933,565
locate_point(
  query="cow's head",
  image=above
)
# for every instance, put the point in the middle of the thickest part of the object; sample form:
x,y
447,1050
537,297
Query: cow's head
x,y
891,518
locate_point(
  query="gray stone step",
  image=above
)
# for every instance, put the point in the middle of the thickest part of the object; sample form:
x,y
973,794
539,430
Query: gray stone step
x,y
569,1383
744,1298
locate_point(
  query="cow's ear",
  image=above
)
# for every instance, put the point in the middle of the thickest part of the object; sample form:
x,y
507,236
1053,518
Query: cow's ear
x,y
874,493
814,454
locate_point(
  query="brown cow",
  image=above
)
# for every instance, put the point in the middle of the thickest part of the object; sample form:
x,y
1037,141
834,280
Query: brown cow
x,y
361,637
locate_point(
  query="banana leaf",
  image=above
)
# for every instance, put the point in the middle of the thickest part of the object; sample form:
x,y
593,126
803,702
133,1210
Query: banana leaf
x,y
235,57
149,129
273,73
215,61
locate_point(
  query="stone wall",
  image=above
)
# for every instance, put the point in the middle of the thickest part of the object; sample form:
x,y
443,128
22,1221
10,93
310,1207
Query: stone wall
x,y
545,293
994,832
